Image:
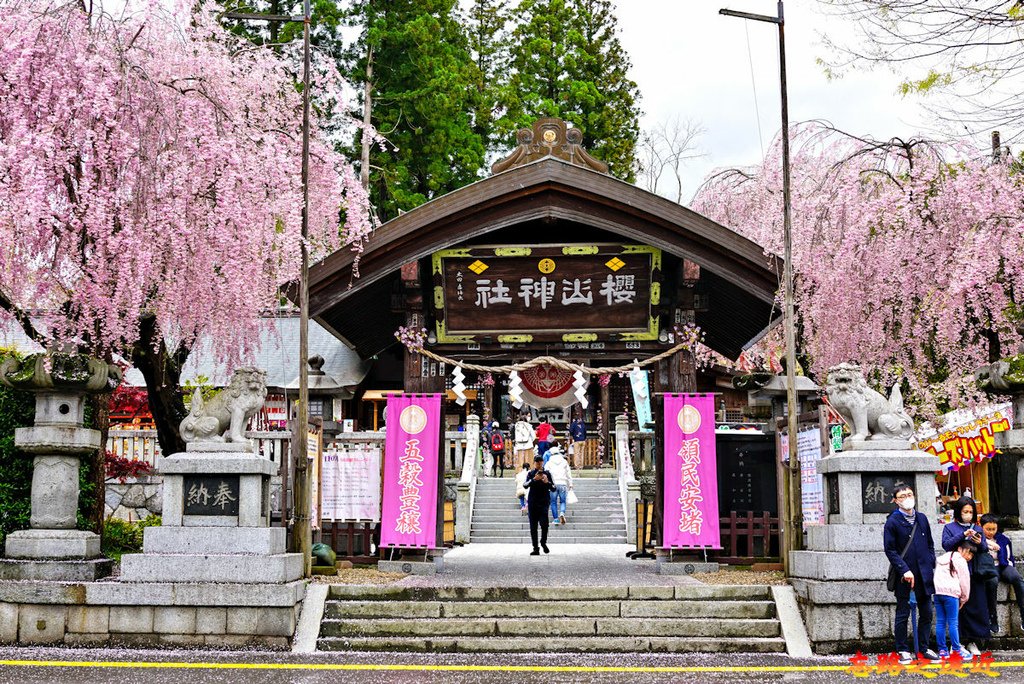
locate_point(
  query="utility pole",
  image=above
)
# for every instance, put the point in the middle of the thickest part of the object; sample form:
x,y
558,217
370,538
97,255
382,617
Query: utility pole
x,y
792,531
302,531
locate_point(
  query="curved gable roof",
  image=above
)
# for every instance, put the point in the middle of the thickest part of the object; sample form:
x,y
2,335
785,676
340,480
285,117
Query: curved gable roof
x,y
550,189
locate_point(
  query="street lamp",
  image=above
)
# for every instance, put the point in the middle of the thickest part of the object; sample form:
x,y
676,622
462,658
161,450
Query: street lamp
x,y
793,509
302,531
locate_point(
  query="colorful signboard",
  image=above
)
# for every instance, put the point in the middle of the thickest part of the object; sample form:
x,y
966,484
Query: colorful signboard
x,y
563,293
350,483
691,473
411,478
966,436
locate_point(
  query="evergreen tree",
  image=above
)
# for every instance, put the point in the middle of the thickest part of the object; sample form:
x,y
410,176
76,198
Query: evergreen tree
x,y
423,92
489,45
568,62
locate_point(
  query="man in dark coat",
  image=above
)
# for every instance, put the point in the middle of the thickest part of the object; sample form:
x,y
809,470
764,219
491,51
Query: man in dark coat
x,y
916,569
539,484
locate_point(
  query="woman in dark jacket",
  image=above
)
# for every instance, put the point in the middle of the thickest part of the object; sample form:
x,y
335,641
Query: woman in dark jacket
x,y
974,617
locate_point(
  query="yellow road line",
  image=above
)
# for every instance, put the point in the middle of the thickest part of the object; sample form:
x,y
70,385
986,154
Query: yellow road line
x,y
448,668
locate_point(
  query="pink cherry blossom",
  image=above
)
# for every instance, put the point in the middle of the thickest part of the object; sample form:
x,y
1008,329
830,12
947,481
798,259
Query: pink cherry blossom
x,y
151,164
905,253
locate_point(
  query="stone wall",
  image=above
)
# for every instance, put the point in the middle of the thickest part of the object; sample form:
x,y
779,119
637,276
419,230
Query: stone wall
x,y
149,615
134,499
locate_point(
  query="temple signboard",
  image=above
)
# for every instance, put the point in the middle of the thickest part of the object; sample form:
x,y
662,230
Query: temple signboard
x,y
564,293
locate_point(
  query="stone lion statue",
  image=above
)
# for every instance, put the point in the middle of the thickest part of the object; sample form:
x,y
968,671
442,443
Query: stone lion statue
x,y
225,416
868,413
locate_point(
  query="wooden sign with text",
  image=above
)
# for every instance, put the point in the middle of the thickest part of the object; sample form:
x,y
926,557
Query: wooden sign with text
x,y
572,293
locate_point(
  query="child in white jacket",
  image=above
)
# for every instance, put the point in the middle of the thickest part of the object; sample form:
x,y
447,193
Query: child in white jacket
x,y
952,589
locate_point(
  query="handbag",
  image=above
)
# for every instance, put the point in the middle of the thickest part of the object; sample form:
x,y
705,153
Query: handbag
x,y
572,498
893,580
985,566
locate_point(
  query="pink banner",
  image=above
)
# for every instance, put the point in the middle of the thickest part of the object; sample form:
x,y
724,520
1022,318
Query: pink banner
x,y
411,462
691,473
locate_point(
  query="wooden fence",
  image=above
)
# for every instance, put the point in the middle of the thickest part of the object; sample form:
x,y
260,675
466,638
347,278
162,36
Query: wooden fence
x,y
747,537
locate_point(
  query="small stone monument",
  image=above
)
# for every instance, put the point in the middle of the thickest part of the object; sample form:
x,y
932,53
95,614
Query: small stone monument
x,y
216,518
52,549
840,578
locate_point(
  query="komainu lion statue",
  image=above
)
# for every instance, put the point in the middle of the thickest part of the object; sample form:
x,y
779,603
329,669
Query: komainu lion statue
x,y
868,414
225,416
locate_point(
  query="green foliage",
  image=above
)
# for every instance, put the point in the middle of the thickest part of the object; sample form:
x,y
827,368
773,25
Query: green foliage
x,y
17,409
206,390
489,44
927,84
568,62
121,537
423,94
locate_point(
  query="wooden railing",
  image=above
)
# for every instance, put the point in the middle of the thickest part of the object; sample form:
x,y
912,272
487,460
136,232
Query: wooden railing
x,y
748,536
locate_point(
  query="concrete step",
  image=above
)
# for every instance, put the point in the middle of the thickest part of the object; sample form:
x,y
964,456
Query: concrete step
x,y
524,524
676,627
406,610
540,643
683,592
572,517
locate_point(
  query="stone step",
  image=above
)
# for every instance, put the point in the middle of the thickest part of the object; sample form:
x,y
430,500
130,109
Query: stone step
x,y
572,518
523,523
683,592
539,643
674,627
757,610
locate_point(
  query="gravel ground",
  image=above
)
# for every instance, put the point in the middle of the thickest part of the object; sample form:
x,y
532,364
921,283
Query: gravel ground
x,y
741,577
360,576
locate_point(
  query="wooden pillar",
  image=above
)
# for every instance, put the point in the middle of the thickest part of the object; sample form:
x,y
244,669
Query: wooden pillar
x,y
682,373
606,420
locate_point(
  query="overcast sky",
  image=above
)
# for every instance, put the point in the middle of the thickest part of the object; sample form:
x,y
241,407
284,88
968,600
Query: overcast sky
x,y
691,62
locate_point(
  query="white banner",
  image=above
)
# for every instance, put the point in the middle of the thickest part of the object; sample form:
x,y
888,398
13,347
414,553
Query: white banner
x,y
350,483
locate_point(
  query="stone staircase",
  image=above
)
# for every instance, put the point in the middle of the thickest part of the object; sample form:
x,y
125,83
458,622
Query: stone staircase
x,y
637,619
596,519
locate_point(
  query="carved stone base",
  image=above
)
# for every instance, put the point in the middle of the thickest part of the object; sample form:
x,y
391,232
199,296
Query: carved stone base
x,y
52,545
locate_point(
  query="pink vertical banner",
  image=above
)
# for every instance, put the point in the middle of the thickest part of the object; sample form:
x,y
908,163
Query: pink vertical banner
x,y
691,473
411,463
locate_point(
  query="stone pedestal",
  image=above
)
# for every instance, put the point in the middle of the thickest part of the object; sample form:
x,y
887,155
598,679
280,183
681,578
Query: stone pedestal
x,y
216,522
840,578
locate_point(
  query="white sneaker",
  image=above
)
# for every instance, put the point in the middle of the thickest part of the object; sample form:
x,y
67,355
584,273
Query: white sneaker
x,y
966,655
973,648
906,657
931,655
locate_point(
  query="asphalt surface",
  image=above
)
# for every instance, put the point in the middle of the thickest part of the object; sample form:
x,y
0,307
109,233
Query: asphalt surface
x,y
81,666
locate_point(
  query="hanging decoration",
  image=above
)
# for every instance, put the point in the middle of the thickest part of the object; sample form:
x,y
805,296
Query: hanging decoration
x,y
515,389
579,383
458,386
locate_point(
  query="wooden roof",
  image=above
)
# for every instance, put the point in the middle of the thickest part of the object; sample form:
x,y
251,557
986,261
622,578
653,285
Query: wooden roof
x,y
744,278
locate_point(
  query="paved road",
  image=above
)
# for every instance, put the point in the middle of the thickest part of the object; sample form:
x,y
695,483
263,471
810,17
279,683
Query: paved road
x,y
47,666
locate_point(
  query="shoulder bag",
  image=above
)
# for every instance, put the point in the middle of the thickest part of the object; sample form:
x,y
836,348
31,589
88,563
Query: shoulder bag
x,y
893,580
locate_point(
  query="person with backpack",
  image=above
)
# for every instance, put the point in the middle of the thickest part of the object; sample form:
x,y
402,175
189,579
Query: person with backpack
x,y
497,445
524,437
907,541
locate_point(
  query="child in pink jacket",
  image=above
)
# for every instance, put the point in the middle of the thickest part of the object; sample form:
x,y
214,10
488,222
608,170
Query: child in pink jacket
x,y
952,589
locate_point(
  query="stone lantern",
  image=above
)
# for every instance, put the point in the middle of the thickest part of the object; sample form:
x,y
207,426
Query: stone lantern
x,y
52,549
324,390
1006,377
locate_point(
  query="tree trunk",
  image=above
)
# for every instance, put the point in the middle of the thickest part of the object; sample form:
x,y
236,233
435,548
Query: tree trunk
x,y
162,372
99,472
364,156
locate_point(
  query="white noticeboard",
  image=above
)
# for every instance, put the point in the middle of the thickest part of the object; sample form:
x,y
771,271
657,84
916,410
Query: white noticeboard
x,y
808,446
350,483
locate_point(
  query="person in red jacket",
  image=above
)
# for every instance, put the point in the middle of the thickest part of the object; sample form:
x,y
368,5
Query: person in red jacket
x,y
545,436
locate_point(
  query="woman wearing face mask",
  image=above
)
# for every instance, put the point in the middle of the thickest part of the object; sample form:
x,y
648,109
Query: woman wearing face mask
x,y
974,618
907,541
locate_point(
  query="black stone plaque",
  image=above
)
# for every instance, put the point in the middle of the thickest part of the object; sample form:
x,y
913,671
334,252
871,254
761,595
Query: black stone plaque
x,y
832,489
211,494
876,490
